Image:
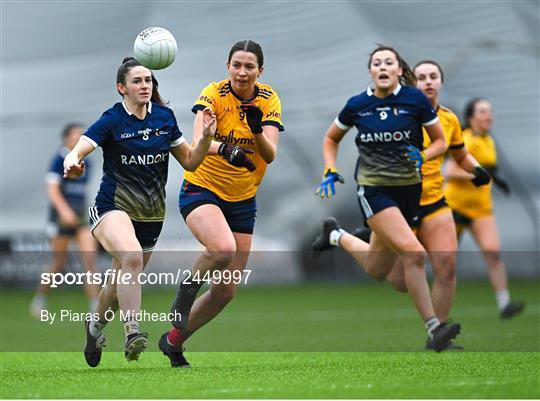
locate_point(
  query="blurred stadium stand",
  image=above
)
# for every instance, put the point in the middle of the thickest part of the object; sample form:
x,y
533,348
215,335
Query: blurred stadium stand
x,y
60,65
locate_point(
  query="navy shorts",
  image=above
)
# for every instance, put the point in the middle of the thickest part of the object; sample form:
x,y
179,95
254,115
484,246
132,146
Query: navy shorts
x,y
430,209
55,227
240,216
461,219
147,232
406,198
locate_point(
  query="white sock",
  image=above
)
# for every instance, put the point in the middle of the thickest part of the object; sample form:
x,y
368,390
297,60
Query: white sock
x,y
96,328
92,305
39,299
335,235
131,327
503,299
431,324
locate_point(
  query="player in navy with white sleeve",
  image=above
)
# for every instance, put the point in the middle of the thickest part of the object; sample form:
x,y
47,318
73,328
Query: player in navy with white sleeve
x,y
136,136
389,120
67,221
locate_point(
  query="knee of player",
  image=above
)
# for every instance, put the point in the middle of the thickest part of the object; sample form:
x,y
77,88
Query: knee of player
x,y
224,293
445,266
223,255
132,262
492,254
414,258
377,274
399,285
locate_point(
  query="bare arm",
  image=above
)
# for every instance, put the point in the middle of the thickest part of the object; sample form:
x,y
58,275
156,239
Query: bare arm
x,y
438,143
191,157
73,162
66,213
267,142
331,140
464,159
454,172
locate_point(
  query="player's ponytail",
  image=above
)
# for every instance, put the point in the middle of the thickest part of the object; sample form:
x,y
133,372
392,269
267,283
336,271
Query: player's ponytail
x,y
407,78
127,64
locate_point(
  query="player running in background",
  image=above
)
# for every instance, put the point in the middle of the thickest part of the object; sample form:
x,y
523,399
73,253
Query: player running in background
x,y
218,200
389,120
67,220
473,207
136,135
435,226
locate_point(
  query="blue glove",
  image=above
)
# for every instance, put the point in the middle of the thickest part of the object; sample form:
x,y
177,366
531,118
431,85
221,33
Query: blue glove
x,y
415,156
330,177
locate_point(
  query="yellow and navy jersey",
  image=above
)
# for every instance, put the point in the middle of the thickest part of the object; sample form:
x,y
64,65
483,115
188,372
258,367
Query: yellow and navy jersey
x,y
461,195
432,178
385,128
228,182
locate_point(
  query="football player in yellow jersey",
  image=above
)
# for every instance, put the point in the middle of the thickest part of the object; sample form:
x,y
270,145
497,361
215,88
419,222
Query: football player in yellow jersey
x,y
473,207
217,201
435,227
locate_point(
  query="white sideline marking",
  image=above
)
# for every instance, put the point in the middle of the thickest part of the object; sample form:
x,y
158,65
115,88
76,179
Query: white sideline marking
x,y
349,386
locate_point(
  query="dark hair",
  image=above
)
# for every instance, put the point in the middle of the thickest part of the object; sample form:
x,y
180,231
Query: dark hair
x,y
408,78
432,63
470,106
127,64
69,127
248,46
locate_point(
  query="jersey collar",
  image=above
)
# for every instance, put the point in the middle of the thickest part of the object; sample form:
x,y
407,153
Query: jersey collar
x,y
394,92
244,100
148,108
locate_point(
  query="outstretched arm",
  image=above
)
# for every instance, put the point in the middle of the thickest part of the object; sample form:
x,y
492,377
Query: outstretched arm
x,y
331,140
191,157
73,162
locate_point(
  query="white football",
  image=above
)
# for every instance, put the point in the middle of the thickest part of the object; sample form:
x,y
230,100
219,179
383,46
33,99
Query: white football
x,y
155,48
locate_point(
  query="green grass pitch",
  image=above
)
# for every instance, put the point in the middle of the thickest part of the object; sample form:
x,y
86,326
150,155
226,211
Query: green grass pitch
x,y
319,341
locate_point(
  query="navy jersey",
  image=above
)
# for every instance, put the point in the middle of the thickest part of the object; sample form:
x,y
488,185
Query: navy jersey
x,y
135,159
73,190
385,128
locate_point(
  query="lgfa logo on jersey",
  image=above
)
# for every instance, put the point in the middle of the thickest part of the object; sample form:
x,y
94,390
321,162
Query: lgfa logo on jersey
x,y
145,133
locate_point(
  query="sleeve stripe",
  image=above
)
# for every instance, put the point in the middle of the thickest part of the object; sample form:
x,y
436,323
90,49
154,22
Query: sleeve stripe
x,y
178,142
341,126
90,141
196,107
51,178
431,122
274,124
457,146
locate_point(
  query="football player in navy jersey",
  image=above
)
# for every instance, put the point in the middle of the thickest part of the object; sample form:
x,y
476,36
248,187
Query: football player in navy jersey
x,y
389,119
67,220
136,135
